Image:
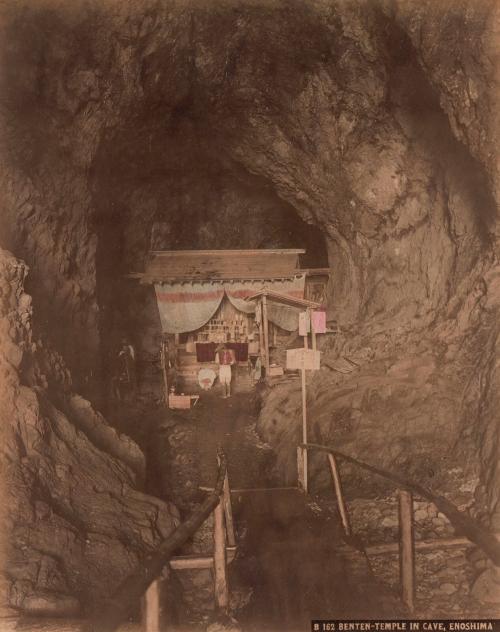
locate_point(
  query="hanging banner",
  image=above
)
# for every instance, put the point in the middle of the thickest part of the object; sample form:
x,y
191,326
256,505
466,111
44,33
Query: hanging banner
x,y
187,306
308,359
304,323
318,322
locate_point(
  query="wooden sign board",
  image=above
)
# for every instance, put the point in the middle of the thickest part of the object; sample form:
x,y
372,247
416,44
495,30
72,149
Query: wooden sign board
x,y
308,359
304,323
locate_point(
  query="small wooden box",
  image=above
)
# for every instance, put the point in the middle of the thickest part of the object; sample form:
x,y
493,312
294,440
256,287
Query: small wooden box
x,y
179,401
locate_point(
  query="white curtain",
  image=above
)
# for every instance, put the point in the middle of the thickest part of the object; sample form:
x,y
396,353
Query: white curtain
x,y
188,306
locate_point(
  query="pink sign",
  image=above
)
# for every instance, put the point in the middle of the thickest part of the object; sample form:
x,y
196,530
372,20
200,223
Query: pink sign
x,y
318,320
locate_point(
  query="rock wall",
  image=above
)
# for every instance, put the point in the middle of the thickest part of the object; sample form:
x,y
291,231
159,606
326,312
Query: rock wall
x,y
77,521
375,122
346,127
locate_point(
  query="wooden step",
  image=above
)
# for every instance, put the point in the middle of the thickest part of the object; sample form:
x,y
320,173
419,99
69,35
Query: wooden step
x,y
190,562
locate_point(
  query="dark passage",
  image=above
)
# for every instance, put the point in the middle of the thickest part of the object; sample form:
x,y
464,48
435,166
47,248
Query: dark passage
x,y
295,557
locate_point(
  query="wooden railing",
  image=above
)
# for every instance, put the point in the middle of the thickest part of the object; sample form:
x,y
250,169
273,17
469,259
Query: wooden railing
x,y
406,546
145,581
224,541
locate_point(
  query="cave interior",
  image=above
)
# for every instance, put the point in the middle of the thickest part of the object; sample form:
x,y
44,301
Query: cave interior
x,y
365,132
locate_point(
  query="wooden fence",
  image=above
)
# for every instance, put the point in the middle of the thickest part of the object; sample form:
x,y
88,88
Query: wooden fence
x,y
145,581
476,534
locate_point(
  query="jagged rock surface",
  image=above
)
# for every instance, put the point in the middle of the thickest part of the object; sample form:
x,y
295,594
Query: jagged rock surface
x,y
77,521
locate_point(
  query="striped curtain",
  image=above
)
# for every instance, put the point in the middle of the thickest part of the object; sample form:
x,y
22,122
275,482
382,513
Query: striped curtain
x,y
186,306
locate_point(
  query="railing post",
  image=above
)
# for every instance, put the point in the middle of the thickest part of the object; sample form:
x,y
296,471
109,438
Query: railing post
x,y
228,513
220,569
301,468
151,609
338,492
406,548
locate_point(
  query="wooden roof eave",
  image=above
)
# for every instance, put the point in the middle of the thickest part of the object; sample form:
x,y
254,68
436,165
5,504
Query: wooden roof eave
x,y
285,298
151,280
148,279
227,253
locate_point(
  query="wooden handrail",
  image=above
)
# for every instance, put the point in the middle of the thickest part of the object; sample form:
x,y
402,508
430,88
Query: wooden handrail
x,y
340,496
469,527
136,584
406,548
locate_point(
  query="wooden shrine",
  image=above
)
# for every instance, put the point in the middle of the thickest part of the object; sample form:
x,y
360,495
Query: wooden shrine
x,y
246,299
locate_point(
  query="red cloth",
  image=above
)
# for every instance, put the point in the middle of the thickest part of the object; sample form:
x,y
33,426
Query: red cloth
x,y
205,351
240,350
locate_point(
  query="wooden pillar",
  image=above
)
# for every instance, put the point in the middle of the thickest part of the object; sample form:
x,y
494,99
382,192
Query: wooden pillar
x,y
228,513
220,568
266,331
172,350
313,333
164,368
151,610
300,467
304,421
338,492
406,548
261,335
304,427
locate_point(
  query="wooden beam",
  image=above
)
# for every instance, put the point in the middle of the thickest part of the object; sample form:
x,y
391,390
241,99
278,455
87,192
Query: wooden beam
x,y
338,492
406,551
304,482
284,298
195,562
151,608
229,253
191,562
148,279
261,340
301,477
220,569
304,431
242,490
316,271
164,368
228,514
265,323
392,548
